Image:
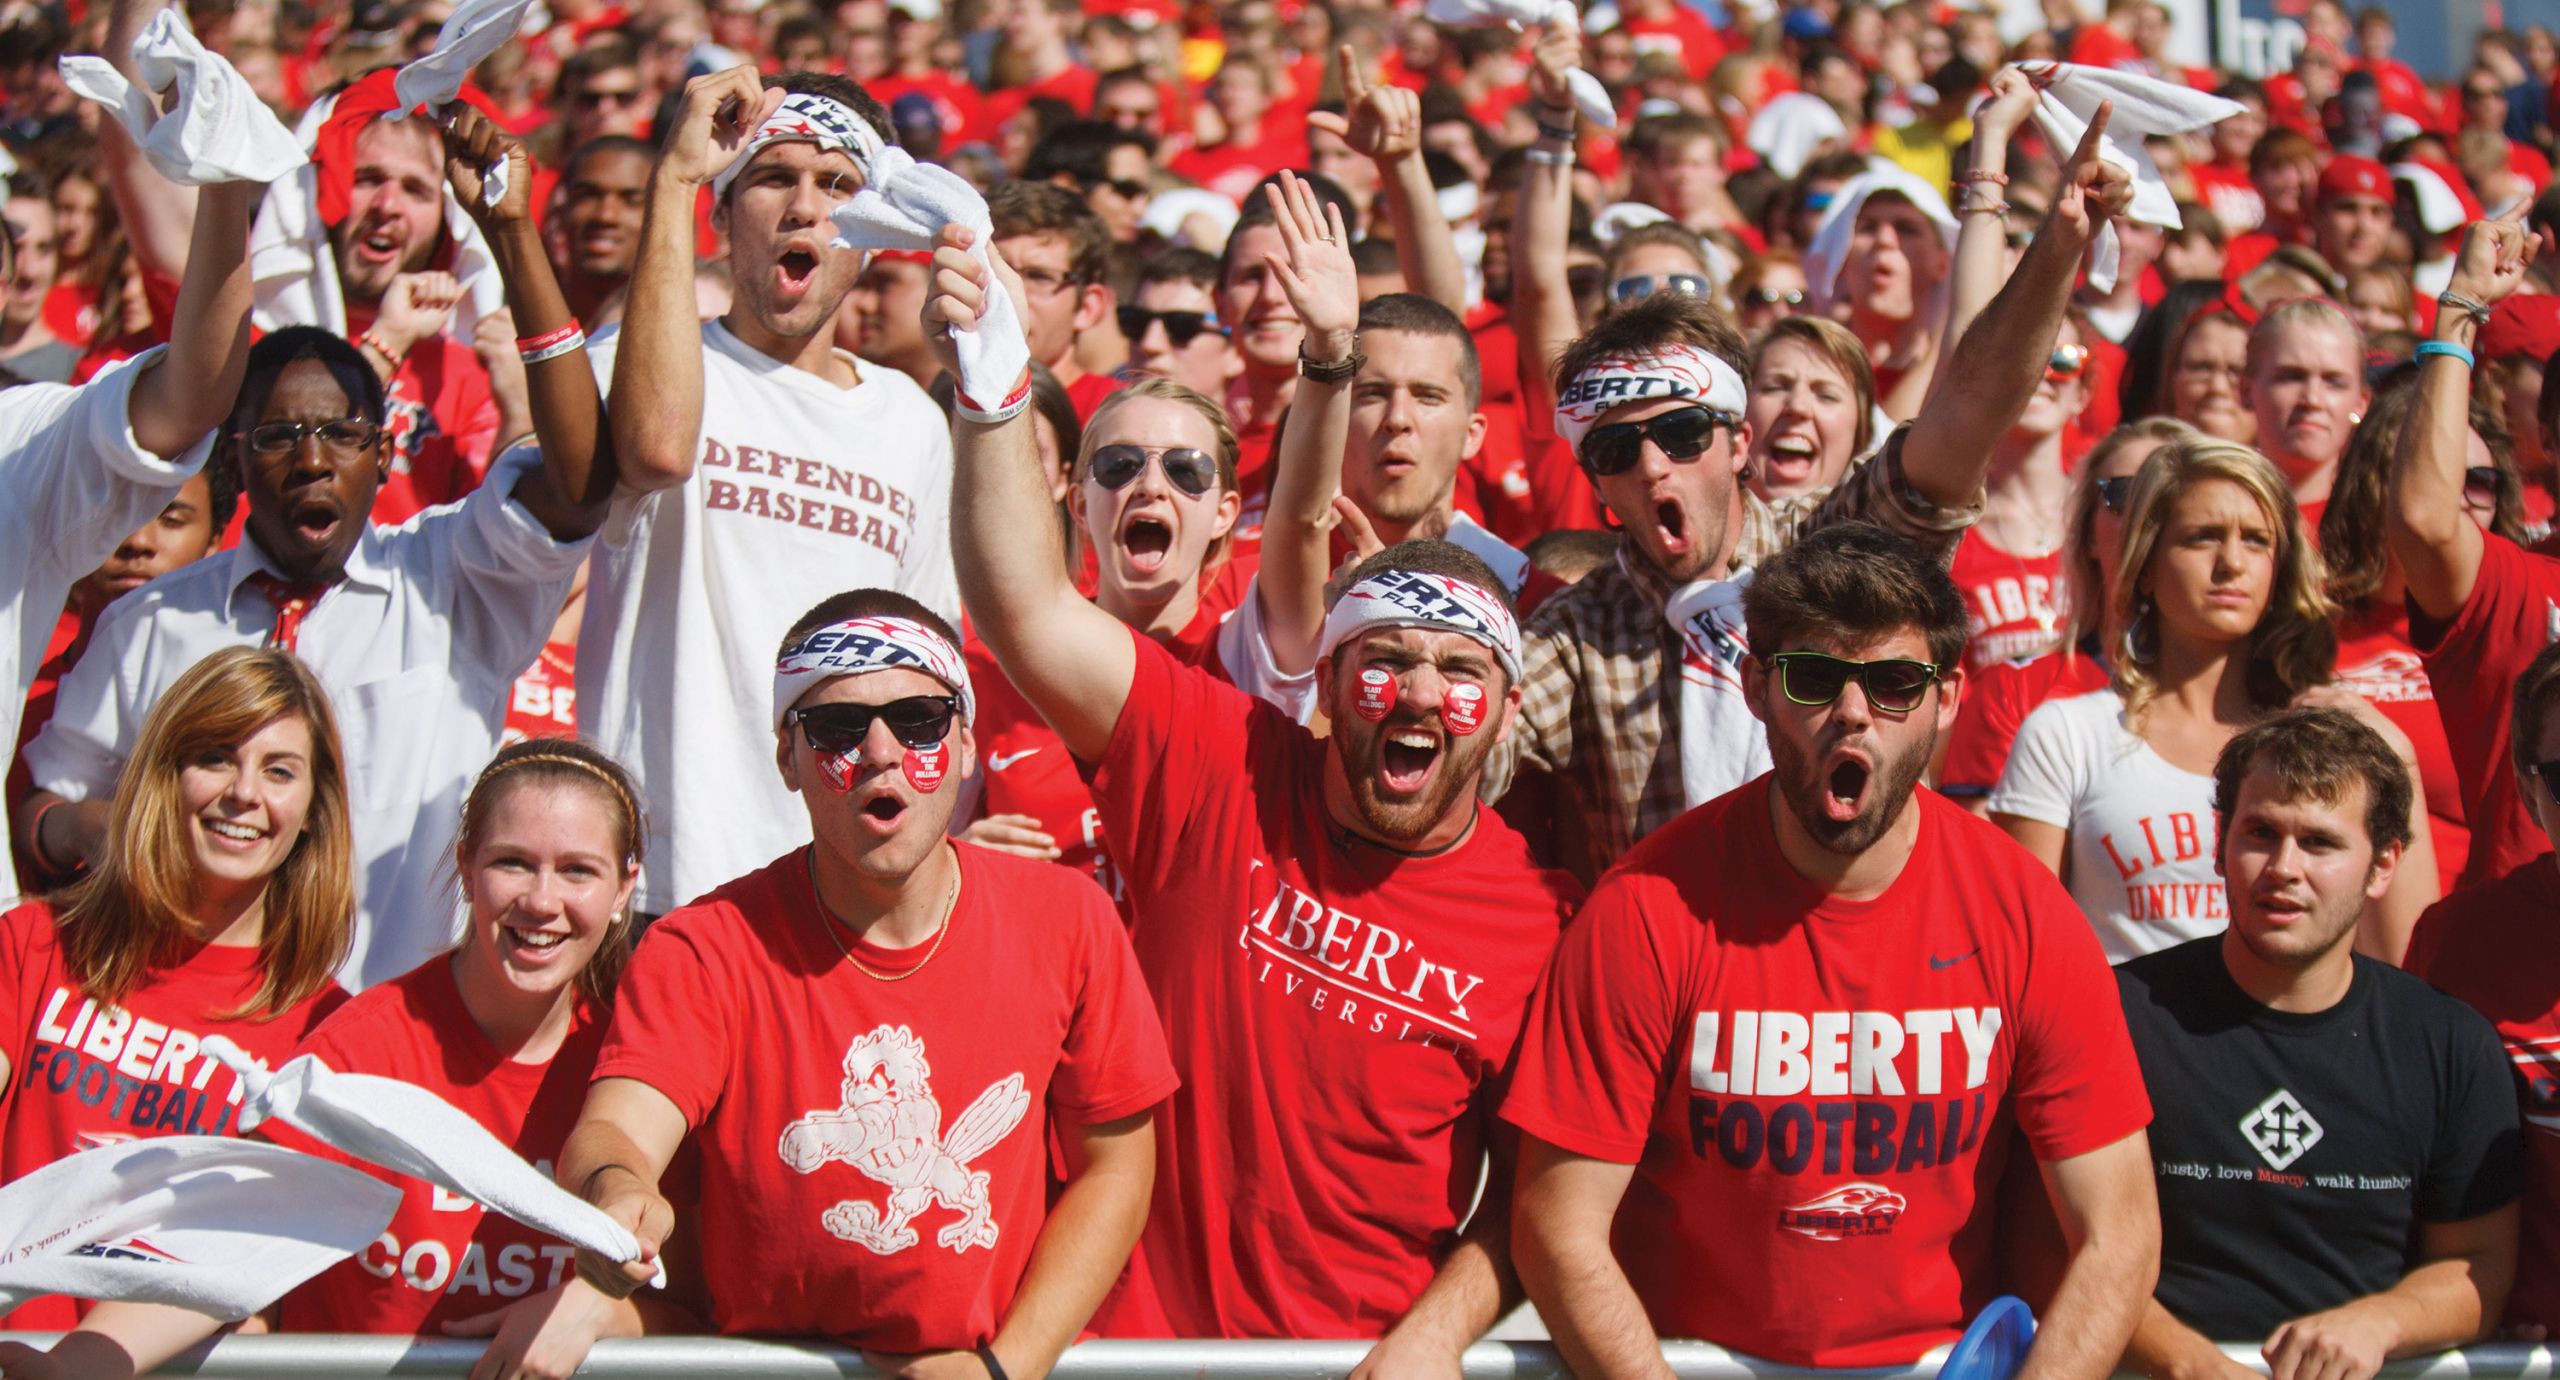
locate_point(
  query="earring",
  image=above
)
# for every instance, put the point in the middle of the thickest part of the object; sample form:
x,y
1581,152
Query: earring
x,y
2132,635
2355,418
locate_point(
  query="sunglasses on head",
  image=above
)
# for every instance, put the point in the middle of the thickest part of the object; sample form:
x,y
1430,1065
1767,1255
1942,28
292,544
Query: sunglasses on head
x,y
2112,492
918,721
2067,362
1814,679
1771,297
1180,327
1680,435
1638,286
1191,471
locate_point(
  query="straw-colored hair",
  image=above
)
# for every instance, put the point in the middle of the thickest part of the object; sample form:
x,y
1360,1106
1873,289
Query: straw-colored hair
x,y
2295,645
2081,575
560,762
131,914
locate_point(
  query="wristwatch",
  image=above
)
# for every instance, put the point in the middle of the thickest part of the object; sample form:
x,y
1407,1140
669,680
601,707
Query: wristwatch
x,y
1330,371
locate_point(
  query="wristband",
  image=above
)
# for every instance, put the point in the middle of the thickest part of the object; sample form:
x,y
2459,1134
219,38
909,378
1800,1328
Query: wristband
x,y
1551,158
2478,313
1005,411
35,838
1341,370
1561,133
987,1358
2445,348
568,339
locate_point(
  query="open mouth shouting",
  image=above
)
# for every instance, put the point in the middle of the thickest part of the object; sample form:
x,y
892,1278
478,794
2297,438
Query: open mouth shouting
x,y
1793,456
880,808
1407,756
1846,780
316,520
1147,540
1672,530
796,270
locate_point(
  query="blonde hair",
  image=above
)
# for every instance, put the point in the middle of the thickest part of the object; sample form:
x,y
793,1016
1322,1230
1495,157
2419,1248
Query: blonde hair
x,y
2295,645
1166,390
131,915
2085,582
564,762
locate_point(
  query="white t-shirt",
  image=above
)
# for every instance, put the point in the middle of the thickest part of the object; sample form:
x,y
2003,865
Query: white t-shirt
x,y
2142,831
419,647
802,490
73,483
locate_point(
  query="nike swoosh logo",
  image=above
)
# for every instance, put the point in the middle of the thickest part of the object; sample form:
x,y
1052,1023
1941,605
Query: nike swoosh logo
x,y
1937,964
1001,760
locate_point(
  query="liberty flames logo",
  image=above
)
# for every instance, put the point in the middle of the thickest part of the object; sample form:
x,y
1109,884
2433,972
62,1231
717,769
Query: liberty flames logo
x,y
890,1128
1849,1210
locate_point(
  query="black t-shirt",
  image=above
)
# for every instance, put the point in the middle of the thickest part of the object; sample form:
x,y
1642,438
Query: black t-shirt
x,y
2297,1153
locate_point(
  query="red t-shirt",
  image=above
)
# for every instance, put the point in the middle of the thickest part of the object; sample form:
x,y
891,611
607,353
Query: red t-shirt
x,y
544,703
1685,34
1997,700
1073,83
2230,195
1088,391
1340,1015
2472,662
2016,605
1818,1094
2376,661
1232,169
861,1139
82,1075
2491,947
442,423
443,1259
2099,45
956,103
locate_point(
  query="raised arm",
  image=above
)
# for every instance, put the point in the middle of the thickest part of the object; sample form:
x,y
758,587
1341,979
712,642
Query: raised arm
x,y
656,412
158,215
2006,348
1384,123
1074,662
2110,1219
568,495
1541,223
1982,234
2438,546
1315,271
189,390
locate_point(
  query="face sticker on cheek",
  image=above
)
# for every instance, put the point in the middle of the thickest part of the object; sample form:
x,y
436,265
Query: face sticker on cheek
x,y
1377,694
1462,709
841,770
925,766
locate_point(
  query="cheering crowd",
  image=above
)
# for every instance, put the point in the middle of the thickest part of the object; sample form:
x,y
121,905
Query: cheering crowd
x,y
1076,668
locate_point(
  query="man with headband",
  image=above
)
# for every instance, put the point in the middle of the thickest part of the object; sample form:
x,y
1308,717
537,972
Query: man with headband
x,y
1631,703
874,1040
815,469
1338,939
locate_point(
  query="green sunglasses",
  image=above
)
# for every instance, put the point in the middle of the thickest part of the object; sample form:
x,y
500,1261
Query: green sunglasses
x,y
1813,679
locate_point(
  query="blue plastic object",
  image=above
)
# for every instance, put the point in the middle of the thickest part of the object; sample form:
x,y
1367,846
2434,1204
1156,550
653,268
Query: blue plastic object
x,y
1995,1346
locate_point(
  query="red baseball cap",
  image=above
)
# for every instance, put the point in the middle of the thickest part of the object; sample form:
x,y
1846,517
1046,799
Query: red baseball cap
x,y
2525,324
2353,175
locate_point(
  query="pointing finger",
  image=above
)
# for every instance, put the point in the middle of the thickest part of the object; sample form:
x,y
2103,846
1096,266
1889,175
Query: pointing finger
x,y
2092,139
1354,85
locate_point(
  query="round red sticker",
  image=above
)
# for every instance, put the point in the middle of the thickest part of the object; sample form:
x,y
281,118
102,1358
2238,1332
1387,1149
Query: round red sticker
x,y
1377,694
924,766
1462,709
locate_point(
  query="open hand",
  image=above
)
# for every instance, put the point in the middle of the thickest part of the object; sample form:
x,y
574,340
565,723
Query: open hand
x,y
1314,267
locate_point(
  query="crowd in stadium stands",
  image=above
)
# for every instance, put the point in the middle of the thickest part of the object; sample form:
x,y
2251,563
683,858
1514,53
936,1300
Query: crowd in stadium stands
x,y
1741,673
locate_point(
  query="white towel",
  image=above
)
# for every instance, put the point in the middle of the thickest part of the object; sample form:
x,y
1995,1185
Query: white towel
x,y
903,206
211,1223
414,1132
216,129
1830,248
1722,743
2067,99
474,30
1589,96
1789,128
8,169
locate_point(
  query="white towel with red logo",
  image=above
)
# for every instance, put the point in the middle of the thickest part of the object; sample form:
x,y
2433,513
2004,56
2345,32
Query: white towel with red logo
x,y
2067,99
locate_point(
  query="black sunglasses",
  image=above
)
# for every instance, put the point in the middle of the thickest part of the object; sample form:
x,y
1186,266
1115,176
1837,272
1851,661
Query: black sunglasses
x,y
1771,297
1681,435
1129,188
919,721
2111,493
2481,480
1895,686
1180,327
341,434
1191,471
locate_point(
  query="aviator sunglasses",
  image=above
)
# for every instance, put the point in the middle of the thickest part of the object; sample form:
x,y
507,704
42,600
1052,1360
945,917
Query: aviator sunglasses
x,y
1191,471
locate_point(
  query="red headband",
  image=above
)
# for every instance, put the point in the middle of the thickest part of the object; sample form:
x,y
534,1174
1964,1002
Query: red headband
x,y
362,103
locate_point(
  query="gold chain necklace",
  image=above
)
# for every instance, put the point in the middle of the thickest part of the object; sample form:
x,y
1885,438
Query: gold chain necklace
x,y
941,931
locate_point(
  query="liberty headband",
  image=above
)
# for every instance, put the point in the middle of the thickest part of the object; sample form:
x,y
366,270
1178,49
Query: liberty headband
x,y
806,118
1419,599
1673,371
877,643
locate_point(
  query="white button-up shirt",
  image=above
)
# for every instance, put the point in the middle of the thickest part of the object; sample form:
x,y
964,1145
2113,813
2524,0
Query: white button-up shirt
x,y
73,483
418,646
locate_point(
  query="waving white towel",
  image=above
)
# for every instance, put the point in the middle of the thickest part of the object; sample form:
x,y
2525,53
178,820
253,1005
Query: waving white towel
x,y
474,30
1589,96
216,129
414,1132
212,1223
2067,99
1789,128
903,206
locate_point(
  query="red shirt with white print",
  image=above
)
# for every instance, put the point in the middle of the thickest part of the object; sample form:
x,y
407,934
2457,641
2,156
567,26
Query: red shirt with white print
x,y
84,1074
443,1258
544,703
2376,661
1341,1015
2015,606
2490,946
875,1153
2472,661
1818,1094
442,425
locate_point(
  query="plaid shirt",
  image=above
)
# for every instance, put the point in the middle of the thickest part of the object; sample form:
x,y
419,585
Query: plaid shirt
x,y
1600,675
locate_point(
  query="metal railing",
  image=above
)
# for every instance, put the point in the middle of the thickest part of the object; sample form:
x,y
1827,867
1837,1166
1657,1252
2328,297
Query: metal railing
x,y
668,1358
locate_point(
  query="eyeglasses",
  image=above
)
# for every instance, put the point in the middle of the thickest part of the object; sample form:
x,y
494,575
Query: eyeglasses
x,y
2066,363
343,434
2112,492
1189,470
1638,286
1049,281
1771,297
1128,188
590,99
2481,482
918,721
1680,435
1180,327
1814,679
1584,281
